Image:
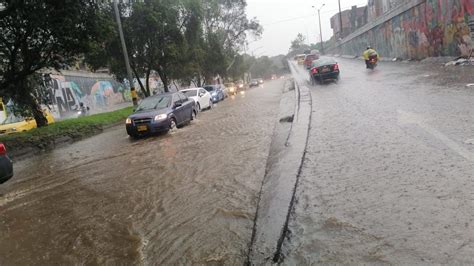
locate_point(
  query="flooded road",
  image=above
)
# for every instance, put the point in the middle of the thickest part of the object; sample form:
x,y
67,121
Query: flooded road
x,y
182,198
389,168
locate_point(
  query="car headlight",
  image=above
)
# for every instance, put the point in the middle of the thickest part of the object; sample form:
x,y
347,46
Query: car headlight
x,y
161,117
128,121
214,93
241,85
13,129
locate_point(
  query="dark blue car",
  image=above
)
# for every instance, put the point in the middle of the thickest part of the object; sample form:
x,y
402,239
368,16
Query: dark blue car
x,y
160,113
217,94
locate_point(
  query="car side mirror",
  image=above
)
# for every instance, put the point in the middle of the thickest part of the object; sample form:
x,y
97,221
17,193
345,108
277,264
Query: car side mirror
x,y
177,104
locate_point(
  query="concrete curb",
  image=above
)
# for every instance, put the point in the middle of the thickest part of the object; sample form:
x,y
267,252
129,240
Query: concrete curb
x,y
277,195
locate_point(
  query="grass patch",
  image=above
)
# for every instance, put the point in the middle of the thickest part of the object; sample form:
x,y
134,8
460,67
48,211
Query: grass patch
x,y
78,128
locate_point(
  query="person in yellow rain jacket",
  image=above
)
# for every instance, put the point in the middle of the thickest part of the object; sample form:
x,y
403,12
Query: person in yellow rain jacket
x,y
368,53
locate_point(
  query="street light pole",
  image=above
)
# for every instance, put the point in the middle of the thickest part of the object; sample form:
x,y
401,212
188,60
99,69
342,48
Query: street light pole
x,y
320,29
125,55
340,20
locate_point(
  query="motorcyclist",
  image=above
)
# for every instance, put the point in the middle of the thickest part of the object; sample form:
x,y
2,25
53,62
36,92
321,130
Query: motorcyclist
x,y
368,53
83,110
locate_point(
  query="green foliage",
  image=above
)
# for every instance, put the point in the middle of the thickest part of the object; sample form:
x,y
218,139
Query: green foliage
x,y
38,35
188,40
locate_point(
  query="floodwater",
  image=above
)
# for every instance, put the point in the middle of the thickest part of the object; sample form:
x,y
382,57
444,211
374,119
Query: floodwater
x,y
389,168
387,178
183,198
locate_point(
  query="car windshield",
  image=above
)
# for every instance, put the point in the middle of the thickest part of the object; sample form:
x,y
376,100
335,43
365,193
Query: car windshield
x,y
12,119
209,88
190,93
156,102
323,62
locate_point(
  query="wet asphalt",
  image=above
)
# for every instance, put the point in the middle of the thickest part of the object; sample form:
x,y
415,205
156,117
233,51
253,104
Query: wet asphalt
x,y
388,176
183,198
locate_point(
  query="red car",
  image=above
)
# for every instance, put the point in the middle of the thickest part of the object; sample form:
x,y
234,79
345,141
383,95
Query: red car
x,y
308,60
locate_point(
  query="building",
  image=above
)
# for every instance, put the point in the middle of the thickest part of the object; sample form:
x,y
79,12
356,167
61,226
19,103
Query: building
x,y
352,19
376,8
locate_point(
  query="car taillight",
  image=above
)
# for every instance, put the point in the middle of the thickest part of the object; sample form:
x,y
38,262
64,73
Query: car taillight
x,y
336,67
314,70
3,150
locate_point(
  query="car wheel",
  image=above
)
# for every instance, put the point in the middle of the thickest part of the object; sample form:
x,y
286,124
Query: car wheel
x,y
173,125
193,115
210,105
198,107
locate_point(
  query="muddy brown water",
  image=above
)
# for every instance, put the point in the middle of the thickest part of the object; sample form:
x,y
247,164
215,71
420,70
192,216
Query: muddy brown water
x,y
182,198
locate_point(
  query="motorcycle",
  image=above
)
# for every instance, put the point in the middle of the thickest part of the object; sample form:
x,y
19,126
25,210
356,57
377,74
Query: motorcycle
x,y
83,111
372,61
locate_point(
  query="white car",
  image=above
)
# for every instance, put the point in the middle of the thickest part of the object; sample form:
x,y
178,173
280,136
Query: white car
x,y
201,97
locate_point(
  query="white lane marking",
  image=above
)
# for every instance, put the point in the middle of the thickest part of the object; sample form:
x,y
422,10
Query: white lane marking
x,y
411,118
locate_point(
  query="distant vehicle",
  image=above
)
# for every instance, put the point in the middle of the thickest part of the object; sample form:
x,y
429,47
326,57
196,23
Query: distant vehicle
x,y
231,87
224,89
309,60
324,69
241,86
160,113
253,83
274,77
260,81
217,94
300,59
201,97
14,124
6,165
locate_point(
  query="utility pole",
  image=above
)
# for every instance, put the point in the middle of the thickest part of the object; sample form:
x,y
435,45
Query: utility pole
x,y
341,32
320,29
125,55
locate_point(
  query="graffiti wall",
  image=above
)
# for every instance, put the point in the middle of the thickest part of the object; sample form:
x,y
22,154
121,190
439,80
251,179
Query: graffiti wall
x,y
65,92
433,28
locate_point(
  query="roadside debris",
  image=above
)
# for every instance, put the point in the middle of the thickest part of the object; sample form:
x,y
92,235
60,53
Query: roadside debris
x,y
461,61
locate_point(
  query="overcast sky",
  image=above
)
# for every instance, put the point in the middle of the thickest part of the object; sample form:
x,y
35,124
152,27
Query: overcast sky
x,y
282,20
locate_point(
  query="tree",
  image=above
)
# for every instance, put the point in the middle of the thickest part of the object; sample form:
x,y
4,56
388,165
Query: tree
x,y
298,42
38,35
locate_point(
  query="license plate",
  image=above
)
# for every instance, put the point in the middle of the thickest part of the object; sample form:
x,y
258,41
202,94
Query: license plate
x,y
325,69
142,128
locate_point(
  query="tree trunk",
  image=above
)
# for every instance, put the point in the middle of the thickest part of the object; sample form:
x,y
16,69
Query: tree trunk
x,y
140,82
38,114
164,79
147,80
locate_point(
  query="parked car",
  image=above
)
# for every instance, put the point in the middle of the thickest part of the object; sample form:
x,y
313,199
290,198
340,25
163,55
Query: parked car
x,y
201,97
231,87
253,83
324,69
309,60
160,113
217,94
6,165
14,124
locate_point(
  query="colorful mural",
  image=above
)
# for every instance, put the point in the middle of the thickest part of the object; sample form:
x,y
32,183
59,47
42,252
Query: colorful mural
x,y
433,28
65,92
